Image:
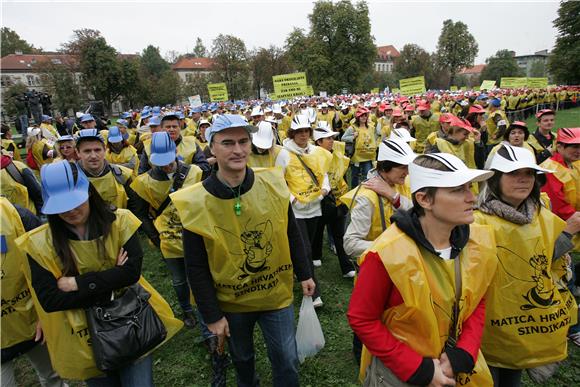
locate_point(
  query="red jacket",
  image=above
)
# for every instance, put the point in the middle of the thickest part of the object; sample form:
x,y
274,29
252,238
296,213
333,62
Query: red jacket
x,y
555,190
373,294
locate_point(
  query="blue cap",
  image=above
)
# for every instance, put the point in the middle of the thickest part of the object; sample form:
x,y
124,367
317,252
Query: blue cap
x,y
196,109
180,115
204,108
66,137
233,108
145,114
162,149
122,122
87,117
171,113
495,102
155,121
92,134
482,97
59,192
156,110
115,135
46,118
125,115
226,121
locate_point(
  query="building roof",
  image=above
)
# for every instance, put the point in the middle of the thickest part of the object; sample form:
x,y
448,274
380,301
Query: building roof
x,y
193,64
384,52
477,69
29,62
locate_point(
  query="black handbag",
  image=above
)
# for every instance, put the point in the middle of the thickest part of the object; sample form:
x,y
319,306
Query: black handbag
x,y
124,329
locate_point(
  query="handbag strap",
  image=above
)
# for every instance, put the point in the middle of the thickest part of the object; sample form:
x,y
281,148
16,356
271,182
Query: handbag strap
x,y
178,180
455,318
310,173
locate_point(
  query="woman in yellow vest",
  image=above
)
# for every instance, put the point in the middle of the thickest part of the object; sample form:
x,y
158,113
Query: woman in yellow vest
x,y
528,306
40,152
120,152
419,300
65,148
306,168
516,135
21,331
374,202
363,137
333,211
264,151
8,144
84,255
131,135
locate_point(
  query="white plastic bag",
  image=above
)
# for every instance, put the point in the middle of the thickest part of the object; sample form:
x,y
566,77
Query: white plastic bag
x,y
309,336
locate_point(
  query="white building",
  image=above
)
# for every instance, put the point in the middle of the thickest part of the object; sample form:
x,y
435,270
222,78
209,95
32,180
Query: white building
x,y
385,60
187,68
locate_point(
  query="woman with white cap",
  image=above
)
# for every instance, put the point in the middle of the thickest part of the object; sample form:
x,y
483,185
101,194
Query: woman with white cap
x,y
418,304
374,202
84,256
528,307
120,152
40,151
333,211
264,151
65,148
305,168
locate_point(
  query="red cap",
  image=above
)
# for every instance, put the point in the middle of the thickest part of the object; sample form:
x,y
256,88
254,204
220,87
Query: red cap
x,y
397,112
568,135
445,117
477,109
460,123
544,112
423,105
409,108
361,110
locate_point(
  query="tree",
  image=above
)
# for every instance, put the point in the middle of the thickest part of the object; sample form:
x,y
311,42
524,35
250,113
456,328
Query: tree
x,y
339,50
502,64
412,62
197,84
172,56
456,48
538,69
9,95
265,63
12,42
564,63
199,51
153,63
81,39
231,64
60,81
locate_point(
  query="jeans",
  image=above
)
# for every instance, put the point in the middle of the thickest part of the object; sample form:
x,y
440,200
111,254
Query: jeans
x,y
505,377
336,226
359,173
136,374
23,119
179,281
278,330
308,228
571,286
40,361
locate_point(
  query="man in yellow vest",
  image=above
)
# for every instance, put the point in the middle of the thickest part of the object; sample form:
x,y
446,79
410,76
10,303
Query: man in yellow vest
x,y
497,123
113,182
19,185
423,124
543,140
242,247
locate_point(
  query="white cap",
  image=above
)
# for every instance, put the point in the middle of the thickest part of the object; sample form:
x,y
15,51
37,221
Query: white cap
x,y
516,158
324,105
323,130
264,137
397,151
401,134
267,110
459,174
276,109
300,121
202,122
32,131
257,111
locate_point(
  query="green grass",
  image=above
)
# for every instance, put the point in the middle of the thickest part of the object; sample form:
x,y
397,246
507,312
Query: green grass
x,y
568,118
184,361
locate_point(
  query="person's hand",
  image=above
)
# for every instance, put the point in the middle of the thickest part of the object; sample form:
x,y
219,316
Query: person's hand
x,y
122,257
221,329
211,160
67,284
380,187
573,223
446,365
355,134
324,192
439,379
39,336
308,287
477,136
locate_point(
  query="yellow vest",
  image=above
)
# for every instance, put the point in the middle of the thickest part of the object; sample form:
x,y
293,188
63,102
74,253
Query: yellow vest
x,y
376,228
365,144
18,315
249,254
16,153
427,285
422,129
67,332
14,191
186,149
267,160
492,127
464,151
385,127
299,181
37,149
345,118
168,223
526,318
338,168
569,177
328,117
124,157
110,189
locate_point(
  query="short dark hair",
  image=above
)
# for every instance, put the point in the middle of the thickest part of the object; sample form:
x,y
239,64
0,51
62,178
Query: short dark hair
x,y
169,118
387,165
82,140
431,163
292,133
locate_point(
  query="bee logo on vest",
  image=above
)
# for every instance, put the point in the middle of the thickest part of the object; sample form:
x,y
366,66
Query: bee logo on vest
x,y
541,294
256,246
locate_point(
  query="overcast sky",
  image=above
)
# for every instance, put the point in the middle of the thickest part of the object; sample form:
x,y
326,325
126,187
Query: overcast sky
x,y
524,27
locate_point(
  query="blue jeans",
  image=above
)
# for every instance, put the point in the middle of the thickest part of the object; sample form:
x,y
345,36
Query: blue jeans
x,y
179,281
23,124
137,374
278,330
359,173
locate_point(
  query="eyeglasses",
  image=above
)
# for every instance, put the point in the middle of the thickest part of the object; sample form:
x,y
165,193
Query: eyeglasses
x,y
65,147
232,143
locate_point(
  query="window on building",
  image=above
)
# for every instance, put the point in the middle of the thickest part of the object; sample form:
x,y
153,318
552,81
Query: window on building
x,y
30,80
188,77
5,81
